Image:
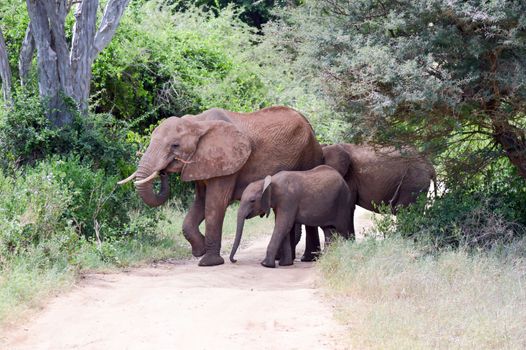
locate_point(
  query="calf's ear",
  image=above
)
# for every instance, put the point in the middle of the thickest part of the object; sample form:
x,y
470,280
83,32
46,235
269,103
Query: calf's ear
x,y
265,195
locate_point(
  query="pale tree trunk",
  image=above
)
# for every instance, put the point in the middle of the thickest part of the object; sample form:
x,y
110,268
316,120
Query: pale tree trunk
x,y
63,70
5,71
26,55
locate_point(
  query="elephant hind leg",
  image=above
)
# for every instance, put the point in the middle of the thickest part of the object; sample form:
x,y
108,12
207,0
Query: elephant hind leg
x,y
312,244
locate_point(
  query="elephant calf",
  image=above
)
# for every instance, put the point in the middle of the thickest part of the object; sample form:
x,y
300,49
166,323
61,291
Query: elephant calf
x,y
316,197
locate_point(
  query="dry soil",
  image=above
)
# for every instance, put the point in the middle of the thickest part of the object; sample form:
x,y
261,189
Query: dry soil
x,y
178,305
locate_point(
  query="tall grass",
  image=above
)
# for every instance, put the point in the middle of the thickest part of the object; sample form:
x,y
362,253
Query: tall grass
x,y
393,296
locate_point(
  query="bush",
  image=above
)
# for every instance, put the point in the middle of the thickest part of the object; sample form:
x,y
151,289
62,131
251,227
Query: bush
x,y
26,135
159,64
482,212
32,210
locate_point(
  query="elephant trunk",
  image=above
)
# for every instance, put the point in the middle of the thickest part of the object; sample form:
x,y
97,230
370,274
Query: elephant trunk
x,y
241,215
146,190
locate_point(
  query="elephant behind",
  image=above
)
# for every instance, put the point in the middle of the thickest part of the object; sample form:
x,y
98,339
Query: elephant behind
x,y
381,175
377,176
222,152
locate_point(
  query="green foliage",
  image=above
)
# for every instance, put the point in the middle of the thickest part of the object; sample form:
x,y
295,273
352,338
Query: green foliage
x,y
14,21
32,210
417,72
26,135
254,13
160,64
483,212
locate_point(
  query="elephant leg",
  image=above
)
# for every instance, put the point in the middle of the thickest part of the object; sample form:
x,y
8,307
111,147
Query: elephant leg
x,y
287,249
193,219
294,239
218,197
295,236
312,244
282,228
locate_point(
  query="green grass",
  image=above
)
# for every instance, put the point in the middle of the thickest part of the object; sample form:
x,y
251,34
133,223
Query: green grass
x,y
26,281
393,296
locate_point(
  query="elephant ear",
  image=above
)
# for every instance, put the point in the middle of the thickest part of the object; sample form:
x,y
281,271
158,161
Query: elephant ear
x,y
337,157
221,150
265,195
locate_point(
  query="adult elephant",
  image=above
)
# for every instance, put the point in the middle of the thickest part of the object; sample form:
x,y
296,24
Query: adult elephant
x,y
222,152
377,176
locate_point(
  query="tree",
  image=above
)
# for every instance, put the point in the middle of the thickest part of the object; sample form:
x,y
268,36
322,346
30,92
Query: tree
x,y
5,72
64,69
439,72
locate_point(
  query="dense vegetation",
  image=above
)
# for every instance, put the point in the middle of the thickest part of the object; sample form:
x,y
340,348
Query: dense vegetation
x,y
445,76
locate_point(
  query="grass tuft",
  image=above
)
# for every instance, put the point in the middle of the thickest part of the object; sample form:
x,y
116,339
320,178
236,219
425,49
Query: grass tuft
x,y
392,295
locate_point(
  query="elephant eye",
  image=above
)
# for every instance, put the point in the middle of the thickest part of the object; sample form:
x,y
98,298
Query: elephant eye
x,y
252,201
175,145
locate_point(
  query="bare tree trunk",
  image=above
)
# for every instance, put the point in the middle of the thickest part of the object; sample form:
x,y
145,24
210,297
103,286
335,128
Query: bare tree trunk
x,y
89,42
81,50
61,70
26,55
49,83
5,71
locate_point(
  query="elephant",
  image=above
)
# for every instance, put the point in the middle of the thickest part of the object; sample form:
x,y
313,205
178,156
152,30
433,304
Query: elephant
x,y
222,152
377,175
316,197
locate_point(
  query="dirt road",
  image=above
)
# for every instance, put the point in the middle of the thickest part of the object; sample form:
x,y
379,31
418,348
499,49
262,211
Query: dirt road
x,y
178,305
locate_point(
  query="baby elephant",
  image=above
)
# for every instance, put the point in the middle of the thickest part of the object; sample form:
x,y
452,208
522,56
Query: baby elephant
x,y
316,197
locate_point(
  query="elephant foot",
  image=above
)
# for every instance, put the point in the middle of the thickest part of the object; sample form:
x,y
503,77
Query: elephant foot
x,y
269,263
211,260
198,249
197,252
310,257
286,262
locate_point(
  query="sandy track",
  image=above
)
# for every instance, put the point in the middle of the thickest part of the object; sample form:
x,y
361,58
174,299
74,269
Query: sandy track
x,y
178,305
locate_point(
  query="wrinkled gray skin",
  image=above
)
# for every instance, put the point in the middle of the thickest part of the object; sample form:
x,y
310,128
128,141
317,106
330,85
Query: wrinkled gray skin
x,y
316,197
376,176
222,152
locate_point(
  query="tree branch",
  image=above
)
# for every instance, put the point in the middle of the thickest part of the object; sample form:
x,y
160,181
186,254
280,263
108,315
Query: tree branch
x,y
81,48
26,55
5,71
57,11
110,21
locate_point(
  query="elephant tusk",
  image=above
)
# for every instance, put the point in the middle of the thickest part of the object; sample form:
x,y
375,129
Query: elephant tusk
x,y
149,178
183,161
128,179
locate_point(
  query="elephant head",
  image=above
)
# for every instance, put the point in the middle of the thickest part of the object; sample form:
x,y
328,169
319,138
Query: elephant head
x,y
337,158
255,201
199,150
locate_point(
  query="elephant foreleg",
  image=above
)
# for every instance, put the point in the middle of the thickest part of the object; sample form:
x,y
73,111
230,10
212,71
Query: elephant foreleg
x,y
218,196
312,244
282,229
193,219
287,249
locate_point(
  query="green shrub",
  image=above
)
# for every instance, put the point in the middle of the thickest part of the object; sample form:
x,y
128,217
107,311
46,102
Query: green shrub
x,y
161,64
32,210
26,135
482,212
